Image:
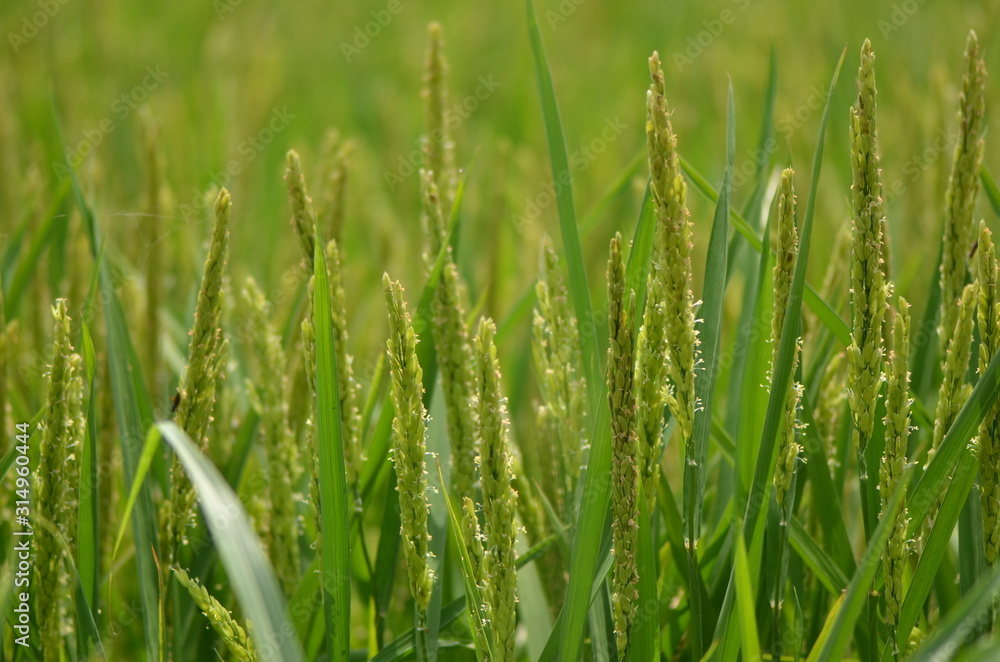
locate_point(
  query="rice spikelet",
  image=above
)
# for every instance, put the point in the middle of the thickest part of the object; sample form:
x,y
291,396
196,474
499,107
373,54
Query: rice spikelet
x,y
56,480
221,620
897,431
437,146
556,349
409,444
499,498
624,472
987,311
868,285
207,354
963,185
269,396
454,352
787,252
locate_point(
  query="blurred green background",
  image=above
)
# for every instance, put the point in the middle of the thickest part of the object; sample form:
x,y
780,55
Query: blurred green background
x,y
227,67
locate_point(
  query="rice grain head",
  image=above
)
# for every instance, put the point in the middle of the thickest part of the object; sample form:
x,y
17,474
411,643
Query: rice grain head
x,y
56,480
437,145
269,396
674,240
558,359
868,284
897,431
963,185
303,214
624,470
207,354
954,389
987,311
221,620
787,253
337,154
499,497
409,444
454,351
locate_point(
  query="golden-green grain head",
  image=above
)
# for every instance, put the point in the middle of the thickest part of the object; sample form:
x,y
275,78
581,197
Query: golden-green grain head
x,y
897,430
269,395
673,241
303,214
868,284
954,390
431,218
409,446
221,620
624,472
787,253
4,362
454,351
337,154
987,311
558,360
207,354
963,185
473,538
56,480
349,388
499,498
438,148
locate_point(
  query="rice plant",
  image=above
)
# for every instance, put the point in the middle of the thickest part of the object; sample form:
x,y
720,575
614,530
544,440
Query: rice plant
x,y
764,423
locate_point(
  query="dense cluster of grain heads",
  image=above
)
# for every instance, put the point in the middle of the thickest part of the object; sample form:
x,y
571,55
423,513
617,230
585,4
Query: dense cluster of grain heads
x,y
530,486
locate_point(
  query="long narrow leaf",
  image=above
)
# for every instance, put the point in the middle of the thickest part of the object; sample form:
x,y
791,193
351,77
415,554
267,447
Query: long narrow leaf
x,y
562,176
253,580
333,490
